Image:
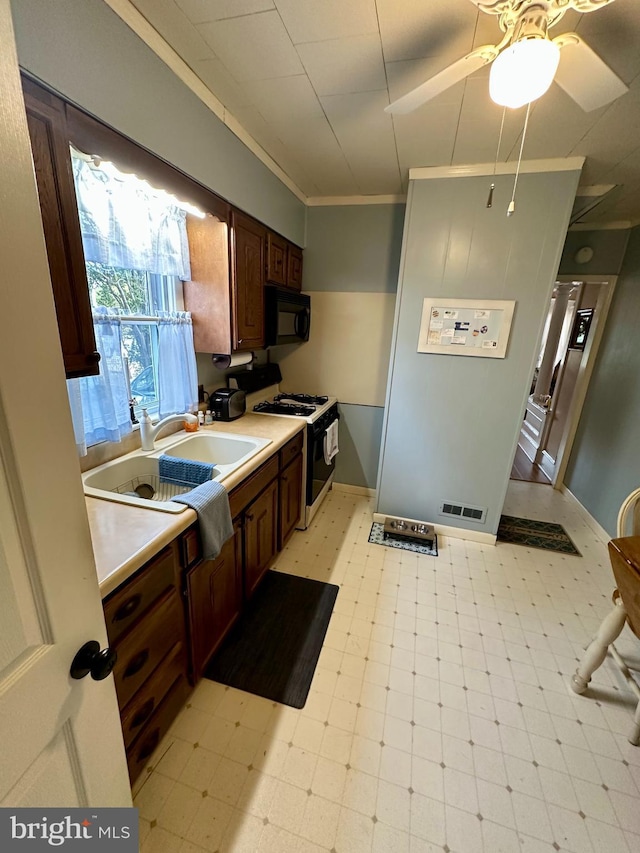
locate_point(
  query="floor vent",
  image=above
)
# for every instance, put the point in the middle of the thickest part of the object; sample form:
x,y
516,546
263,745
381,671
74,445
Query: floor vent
x,y
469,513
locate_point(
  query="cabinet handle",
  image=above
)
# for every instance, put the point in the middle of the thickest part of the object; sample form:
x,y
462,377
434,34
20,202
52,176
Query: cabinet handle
x,y
143,713
136,663
248,516
149,745
284,479
127,608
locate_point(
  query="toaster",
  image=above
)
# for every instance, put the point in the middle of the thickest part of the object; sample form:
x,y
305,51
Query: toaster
x,y
227,404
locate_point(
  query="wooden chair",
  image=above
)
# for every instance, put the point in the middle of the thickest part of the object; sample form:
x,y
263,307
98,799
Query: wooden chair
x,y
624,552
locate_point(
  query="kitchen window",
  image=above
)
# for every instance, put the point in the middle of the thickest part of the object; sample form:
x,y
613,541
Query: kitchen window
x,y
137,255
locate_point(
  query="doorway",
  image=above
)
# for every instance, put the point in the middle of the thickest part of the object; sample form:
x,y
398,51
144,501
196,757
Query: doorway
x,y
570,339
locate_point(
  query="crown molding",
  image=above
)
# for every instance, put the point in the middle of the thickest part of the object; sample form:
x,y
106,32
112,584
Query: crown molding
x,y
152,38
558,164
337,200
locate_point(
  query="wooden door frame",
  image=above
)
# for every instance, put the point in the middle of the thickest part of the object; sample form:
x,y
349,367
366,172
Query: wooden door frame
x,y
589,356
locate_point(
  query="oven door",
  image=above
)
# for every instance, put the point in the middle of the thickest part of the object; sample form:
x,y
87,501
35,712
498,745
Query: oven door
x,y
318,472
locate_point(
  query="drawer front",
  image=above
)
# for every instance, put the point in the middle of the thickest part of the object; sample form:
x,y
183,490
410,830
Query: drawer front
x,y
191,548
151,735
291,450
142,650
128,604
150,696
242,496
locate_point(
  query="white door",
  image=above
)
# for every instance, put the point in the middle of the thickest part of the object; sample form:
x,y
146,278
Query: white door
x,y
60,739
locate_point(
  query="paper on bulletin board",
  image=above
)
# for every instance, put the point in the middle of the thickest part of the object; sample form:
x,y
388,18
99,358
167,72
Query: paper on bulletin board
x,y
466,327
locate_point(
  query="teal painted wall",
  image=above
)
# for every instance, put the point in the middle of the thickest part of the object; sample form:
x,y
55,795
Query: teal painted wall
x,y
452,422
83,50
604,466
353,248
608,252
359,438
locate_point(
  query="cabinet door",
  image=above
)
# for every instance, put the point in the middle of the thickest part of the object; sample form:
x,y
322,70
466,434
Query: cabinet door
x,y
52,163
294,267
248,282
290,498
276,259
214,591
260,536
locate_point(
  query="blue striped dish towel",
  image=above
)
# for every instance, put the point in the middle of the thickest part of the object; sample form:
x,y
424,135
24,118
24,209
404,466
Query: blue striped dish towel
x,y
183,472
211,502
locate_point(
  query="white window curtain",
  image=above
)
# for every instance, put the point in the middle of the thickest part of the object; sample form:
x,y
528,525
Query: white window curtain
x,y
177,373
127,223
100,404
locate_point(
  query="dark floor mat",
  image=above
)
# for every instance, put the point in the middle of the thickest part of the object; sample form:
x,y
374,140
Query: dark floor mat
x,y
535,534
274,648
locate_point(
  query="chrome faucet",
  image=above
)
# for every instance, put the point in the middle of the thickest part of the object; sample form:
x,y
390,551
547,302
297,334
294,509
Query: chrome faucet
x,y
149,431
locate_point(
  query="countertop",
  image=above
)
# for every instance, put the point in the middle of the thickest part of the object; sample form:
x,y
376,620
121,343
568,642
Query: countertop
x,y
125,537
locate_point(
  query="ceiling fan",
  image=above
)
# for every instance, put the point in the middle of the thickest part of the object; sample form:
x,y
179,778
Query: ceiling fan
x,y
526,61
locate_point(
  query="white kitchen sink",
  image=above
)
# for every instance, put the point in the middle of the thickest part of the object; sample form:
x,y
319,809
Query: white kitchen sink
x,y
133,479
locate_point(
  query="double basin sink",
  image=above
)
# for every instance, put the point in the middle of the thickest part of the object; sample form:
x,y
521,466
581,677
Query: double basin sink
x,y
134,479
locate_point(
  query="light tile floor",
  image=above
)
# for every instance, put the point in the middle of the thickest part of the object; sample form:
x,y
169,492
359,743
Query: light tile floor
x,y
439,716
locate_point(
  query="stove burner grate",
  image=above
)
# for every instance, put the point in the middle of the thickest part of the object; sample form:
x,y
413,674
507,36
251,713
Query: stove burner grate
x,y
303,398
277,408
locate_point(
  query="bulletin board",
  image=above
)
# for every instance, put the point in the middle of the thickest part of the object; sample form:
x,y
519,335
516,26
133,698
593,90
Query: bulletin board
x,y
474,327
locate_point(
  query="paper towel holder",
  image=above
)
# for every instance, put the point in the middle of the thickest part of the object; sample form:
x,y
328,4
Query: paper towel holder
x,y
237,359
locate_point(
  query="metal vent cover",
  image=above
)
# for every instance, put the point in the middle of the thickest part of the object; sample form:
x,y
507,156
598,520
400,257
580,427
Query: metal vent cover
x,y
460,510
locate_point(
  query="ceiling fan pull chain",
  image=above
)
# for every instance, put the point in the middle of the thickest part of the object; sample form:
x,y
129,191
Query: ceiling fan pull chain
x,y
495,165
512,203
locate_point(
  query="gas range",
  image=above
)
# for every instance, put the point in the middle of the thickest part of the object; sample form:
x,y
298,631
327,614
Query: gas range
x,y
321,416
307,406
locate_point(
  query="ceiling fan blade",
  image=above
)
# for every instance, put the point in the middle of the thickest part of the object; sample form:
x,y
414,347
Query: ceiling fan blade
x,y
584,76
443,80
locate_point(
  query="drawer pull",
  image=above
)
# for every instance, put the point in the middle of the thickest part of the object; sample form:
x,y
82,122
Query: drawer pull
x,y
143,713
136,663
127,608
149,745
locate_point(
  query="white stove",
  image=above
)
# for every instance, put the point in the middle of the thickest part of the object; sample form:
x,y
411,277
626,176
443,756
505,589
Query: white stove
x,y
320,413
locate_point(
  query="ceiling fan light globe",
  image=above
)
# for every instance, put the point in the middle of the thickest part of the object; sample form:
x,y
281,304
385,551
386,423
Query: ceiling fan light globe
x,y
523,72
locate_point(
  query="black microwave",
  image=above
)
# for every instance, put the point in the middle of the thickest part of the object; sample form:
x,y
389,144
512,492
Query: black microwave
x,y
287,316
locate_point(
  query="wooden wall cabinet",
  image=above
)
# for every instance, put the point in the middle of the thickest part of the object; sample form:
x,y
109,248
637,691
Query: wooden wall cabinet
x,y
248,239
284,262
226,293
49,136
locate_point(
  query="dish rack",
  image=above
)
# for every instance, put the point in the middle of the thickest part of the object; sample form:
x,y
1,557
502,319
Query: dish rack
x,y
161,491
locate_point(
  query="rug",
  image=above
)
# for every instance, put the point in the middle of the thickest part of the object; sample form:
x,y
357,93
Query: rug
x,y
273,649
376,536
535,534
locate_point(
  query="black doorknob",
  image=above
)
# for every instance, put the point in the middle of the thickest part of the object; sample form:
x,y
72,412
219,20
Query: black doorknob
x,y
90,659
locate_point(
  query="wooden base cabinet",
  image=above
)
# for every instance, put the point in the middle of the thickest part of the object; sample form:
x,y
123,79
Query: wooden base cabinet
x,y
214,596
290,499
260,536
145,625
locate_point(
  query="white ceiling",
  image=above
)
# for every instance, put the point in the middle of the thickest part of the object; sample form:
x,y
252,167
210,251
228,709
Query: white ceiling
x,y
309,80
